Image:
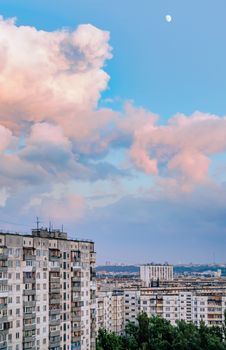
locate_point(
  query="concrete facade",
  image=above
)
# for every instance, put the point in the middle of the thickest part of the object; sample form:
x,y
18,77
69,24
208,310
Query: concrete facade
x,y
47,292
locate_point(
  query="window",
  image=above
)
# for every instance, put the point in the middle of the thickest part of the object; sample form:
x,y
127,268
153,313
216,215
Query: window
x,y
17,335
17,252
10,251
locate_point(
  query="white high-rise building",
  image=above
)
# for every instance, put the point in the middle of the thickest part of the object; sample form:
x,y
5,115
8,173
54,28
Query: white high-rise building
x,y
150,273
47,292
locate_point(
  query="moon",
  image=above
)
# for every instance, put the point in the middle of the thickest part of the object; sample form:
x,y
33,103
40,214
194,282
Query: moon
x,y
168,18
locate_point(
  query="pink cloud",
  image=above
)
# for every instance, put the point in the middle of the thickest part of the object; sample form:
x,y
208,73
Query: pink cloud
x,y
6,138
69,207
50,76
50,86
185,144
47,133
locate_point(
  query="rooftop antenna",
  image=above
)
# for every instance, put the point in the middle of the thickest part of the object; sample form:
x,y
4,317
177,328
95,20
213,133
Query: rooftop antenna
x,y
50,226
214,259
37,222
62,228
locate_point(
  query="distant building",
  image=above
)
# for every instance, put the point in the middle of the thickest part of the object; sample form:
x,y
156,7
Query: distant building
x,y
152,273
182,303
110,311
188,300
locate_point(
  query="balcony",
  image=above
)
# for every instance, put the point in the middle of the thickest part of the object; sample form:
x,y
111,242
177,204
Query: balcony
x,y
29,327
76,298
54,342
76,288
76,265
3,306
75,328
28,343
3,345
29,292
3,256
3,319
54,257
55,311
3,268
54,279
54,322
54,290
29,316
54,300
54,266
93,258
55,333
76,317
29,303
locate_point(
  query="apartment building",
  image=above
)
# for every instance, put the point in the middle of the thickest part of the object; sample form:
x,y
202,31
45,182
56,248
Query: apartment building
x,y
188,304
110,311
47,292
151,273
189,299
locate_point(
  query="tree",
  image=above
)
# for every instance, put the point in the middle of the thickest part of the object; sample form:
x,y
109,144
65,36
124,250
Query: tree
x,y
155,333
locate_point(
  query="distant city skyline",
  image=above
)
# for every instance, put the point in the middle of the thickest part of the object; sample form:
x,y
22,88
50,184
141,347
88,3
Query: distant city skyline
x,y
113,123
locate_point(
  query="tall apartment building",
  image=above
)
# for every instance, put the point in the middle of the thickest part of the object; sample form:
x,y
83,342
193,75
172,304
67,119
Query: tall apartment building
x,y
47,292
110,311
150,273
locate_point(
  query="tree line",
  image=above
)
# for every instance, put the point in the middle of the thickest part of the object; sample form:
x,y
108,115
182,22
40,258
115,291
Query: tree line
x,y
155,333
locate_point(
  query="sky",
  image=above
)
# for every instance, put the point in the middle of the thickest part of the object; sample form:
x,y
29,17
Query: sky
x,y
113,124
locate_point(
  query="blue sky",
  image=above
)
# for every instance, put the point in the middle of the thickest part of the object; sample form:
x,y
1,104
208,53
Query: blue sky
x,y
165,69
